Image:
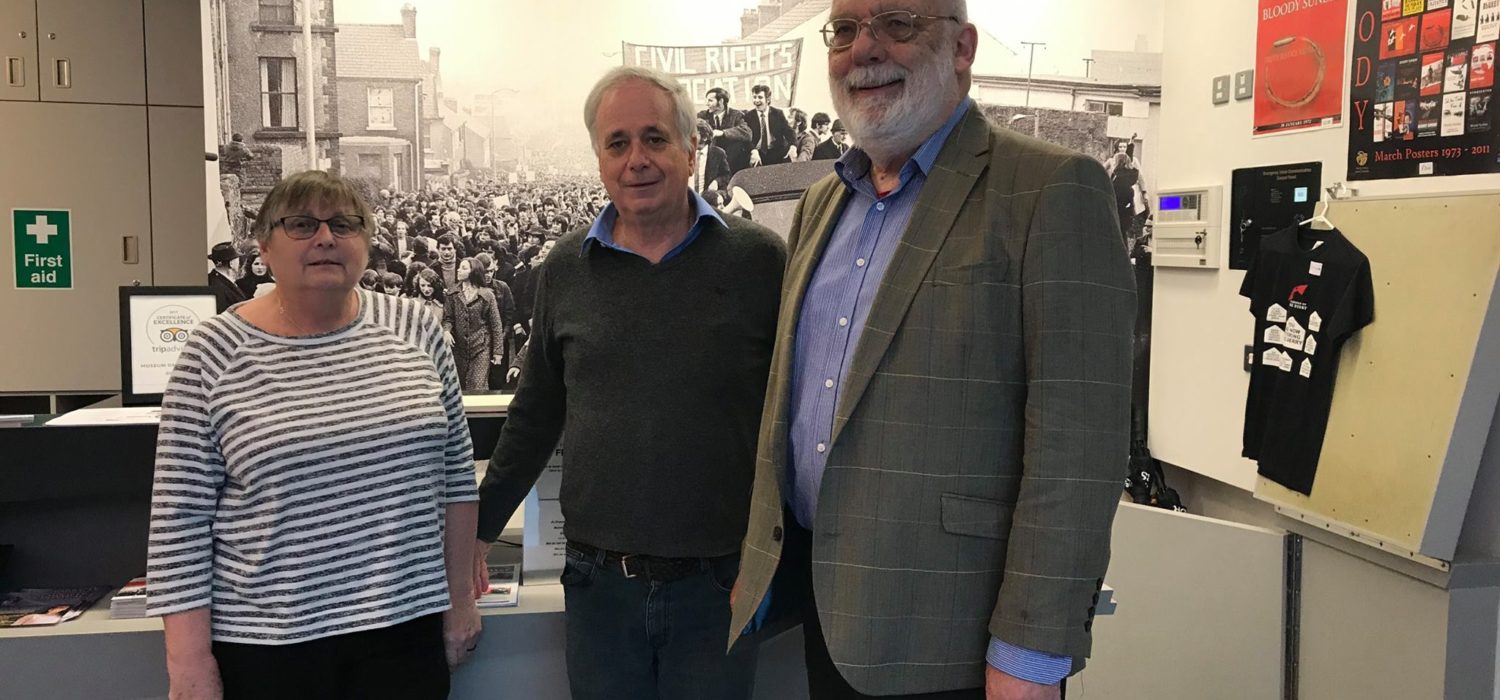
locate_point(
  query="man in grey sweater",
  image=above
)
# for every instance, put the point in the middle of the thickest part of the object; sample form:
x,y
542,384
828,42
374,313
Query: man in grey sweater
x,y
651,341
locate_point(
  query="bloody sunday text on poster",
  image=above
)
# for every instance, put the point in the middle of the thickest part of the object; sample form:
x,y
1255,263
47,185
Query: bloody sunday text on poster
x,y
1299,58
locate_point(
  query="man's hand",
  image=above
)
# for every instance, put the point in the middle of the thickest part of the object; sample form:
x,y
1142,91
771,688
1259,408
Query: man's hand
x,y
754,157
718,133
512,373
461,629
497,360
194,679
481,568
999,685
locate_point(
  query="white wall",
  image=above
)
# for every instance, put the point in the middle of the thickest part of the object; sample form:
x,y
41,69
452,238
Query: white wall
x,y
1201,324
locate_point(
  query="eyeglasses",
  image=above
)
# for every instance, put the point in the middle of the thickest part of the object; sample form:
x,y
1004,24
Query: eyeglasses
x,y
897,25
301,228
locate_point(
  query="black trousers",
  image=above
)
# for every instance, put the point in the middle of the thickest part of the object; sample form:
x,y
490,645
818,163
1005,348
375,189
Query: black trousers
x,y
824,682
404,661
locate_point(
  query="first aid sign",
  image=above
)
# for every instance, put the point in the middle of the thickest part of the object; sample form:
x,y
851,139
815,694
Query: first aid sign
x,y
44,248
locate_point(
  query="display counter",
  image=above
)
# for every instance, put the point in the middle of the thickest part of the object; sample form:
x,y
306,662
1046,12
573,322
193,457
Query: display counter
x,y
75,500
75,505
95,656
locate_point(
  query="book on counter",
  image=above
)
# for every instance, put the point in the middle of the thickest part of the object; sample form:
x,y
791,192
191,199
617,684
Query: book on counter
x,y
130,601
34,607
486,402
504,591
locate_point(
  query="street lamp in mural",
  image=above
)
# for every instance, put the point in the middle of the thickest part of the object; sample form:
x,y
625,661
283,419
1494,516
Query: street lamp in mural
x,y
307,64
1030,64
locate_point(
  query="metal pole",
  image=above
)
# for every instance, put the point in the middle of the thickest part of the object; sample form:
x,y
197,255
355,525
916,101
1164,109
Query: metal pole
x,y
307,61
1030,63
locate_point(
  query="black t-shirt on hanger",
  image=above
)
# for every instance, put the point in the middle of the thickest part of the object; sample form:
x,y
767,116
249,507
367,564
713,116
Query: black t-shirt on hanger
x,y
1307,300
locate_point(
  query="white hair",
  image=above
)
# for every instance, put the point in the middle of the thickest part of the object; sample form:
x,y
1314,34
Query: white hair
x,y
686,117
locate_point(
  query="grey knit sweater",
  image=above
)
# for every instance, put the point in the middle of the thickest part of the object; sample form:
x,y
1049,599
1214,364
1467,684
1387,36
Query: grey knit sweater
x,y
659,373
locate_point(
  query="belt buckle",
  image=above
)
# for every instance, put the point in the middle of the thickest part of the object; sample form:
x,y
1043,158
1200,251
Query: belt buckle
x,y
625,566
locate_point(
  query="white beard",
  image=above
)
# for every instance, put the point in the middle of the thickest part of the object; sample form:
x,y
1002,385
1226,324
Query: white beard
x,y
888,127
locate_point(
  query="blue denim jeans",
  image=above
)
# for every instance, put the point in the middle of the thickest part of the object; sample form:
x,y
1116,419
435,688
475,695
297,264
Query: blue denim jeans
x,y
632,638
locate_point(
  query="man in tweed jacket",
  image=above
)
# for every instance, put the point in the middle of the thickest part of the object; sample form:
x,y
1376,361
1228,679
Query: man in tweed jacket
x,y
945,434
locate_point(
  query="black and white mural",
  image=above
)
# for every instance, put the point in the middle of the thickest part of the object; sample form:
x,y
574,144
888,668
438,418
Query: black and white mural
x,y
461,120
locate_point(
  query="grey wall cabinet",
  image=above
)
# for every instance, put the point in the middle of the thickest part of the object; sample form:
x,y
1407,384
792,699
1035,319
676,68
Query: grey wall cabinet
x,y
178,205
78,50
19,79
91,51
131,176
91,160
174,61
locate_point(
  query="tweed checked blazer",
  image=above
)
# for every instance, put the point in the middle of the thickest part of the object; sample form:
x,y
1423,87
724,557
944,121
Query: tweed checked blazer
x,y
980,444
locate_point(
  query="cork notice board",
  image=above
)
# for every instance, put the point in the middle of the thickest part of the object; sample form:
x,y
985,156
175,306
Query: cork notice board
x,y
1416,389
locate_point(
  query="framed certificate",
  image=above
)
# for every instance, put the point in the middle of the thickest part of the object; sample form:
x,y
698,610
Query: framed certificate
x,y
155,323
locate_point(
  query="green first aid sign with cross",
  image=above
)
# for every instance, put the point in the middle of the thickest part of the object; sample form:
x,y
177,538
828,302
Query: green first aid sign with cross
x,y
44,248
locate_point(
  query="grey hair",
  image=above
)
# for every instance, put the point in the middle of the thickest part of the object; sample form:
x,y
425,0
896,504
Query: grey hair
x,y
686,117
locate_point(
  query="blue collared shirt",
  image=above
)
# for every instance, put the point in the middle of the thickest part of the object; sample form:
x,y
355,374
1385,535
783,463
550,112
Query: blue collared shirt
x,y
603,229
834,312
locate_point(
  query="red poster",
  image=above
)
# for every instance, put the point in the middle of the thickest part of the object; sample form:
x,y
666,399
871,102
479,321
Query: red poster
x,y
1400,38
1299,62
1435,28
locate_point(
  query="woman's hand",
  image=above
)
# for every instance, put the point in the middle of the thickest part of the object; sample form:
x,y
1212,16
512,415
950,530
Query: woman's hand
x,y
192,671
195,678
461,628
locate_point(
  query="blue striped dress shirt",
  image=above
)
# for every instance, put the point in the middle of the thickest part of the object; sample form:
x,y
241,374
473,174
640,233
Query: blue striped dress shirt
x,y
833,316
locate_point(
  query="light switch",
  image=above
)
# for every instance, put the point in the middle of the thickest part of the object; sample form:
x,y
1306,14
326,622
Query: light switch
x,y
1244,85
1221,90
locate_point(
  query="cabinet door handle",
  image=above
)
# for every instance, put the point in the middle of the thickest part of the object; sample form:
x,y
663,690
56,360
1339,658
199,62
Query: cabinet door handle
x,y
131,251
15,71
62,72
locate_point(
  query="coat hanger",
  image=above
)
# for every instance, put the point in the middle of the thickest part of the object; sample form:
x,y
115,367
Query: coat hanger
x,y
1319,221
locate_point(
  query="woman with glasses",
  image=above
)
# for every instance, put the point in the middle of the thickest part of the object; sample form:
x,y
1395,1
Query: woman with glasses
x,y
312,453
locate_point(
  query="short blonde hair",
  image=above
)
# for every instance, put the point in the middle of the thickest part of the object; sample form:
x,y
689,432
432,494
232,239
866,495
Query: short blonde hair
x,y
307,188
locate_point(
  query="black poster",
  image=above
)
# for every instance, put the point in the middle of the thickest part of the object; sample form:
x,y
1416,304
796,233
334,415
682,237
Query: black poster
x,y
1420,87
1267,199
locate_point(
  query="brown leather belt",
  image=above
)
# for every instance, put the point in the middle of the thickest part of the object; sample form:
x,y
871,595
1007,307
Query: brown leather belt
x,y
646,566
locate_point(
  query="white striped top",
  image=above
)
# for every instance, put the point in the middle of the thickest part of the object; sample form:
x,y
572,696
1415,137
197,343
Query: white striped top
x,y
301,482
